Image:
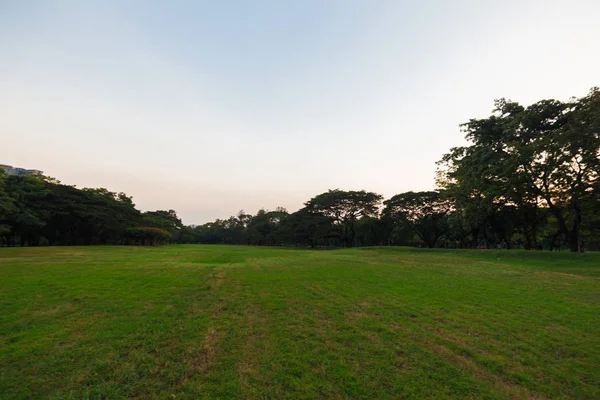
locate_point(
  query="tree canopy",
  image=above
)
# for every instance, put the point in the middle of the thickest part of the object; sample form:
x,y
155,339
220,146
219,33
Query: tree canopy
x,y
538,159
424,212
343,209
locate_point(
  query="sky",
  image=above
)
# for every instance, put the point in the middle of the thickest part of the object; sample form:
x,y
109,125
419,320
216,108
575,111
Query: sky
x,y
209,107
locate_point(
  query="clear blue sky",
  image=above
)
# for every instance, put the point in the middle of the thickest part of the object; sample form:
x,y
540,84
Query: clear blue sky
x,y
208,107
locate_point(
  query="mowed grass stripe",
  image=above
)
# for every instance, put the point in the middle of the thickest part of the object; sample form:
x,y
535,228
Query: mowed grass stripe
x,y
246,322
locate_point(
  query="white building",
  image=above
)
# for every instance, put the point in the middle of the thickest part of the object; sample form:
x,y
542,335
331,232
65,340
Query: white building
x,y
20,171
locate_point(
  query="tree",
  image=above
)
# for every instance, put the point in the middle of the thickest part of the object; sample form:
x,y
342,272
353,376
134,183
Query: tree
x,y
373,231
107,215
304,228
545,156
24,211
563,166
262,228
343,208
424,212
8,208
165,220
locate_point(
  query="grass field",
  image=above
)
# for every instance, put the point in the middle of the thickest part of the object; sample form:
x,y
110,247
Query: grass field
x,y
267,323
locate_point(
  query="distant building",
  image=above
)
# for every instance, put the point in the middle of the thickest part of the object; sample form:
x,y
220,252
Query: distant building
x,y
20,171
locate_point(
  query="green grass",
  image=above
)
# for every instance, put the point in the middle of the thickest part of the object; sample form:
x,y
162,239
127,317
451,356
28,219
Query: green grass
x,y
245,322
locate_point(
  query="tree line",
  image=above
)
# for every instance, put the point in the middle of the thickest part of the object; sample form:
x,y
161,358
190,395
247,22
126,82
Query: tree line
x,y
528,178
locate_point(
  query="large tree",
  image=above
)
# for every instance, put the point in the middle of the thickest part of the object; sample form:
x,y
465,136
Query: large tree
x,y
262,227
162,219
424,212
343,209
541,157
563,162
8,206
304,228
24,208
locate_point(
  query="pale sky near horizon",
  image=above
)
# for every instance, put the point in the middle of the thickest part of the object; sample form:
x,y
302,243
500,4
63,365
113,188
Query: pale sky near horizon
x,y
209,107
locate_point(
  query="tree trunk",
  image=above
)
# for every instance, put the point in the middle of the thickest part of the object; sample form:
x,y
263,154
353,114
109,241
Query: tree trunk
x,y
528,244
475,238
575,236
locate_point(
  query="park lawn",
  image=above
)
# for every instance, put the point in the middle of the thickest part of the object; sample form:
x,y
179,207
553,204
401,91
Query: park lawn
x,y
228,322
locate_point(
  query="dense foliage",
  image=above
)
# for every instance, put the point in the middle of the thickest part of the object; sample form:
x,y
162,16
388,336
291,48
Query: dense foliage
x,y
529,170
38,210
529,178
